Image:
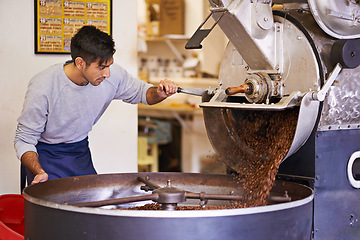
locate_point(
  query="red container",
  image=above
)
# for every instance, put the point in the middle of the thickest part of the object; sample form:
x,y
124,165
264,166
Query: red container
x,y
11,217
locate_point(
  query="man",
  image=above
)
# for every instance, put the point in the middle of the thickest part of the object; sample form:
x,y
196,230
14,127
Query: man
x,y
63,102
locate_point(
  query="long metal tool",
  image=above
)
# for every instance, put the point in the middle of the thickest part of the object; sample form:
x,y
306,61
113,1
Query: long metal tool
x,y
192,91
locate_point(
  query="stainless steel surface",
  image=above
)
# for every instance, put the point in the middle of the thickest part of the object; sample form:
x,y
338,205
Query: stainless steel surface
x,y
47,216
300,75
341,107
219,101
299,58
249,26
339,19
306,122
342,104
288,85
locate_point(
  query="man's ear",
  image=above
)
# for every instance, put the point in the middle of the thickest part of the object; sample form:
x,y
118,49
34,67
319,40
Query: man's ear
x,y
80,63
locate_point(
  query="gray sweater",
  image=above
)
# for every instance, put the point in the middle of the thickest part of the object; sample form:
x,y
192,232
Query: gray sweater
x,y
56,110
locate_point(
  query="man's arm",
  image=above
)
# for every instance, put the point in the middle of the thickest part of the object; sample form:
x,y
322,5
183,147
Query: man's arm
x,y
165,89
31,162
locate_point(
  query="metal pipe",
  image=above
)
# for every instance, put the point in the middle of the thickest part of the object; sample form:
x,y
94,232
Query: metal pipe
x,y
117,201
148,182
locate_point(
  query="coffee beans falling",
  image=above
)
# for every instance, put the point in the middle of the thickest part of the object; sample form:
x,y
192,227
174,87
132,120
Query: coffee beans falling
x,y
252,144
264,138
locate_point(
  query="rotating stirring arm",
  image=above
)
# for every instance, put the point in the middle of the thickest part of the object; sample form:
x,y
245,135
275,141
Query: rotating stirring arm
x,y
167,196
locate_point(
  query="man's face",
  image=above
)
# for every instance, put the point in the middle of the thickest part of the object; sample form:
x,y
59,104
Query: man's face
x,y
95,73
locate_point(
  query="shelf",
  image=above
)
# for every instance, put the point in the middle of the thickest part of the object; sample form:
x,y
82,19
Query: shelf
x,y
168,40
189,81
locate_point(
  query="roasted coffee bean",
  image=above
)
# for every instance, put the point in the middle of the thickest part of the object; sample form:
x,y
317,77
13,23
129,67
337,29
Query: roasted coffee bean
x,y
264,139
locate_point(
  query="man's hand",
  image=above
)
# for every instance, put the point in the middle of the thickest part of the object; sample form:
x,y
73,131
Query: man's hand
x,y
165,89
41,177
31,162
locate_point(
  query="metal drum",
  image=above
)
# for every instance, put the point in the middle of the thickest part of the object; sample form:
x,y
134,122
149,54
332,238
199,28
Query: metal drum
x,y
50,211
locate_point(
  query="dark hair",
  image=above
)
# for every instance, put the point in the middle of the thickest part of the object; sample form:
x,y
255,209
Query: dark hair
x,y
91,44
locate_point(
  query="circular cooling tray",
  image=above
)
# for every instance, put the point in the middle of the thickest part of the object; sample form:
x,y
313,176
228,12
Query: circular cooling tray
x,y
48,216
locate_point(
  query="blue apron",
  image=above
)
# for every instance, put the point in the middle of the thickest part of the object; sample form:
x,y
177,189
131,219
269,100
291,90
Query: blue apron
x,y
64,160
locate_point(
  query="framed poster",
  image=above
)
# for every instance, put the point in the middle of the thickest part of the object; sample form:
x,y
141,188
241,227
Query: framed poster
x,y
56,21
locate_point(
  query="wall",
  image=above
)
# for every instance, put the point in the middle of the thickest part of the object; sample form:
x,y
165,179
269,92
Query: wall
x,y
113,139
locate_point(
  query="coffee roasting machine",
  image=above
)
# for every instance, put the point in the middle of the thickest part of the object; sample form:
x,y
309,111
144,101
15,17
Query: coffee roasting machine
x,y
305,56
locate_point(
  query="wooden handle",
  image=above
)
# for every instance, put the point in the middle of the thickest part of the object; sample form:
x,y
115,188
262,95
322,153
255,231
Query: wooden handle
x,y
245,88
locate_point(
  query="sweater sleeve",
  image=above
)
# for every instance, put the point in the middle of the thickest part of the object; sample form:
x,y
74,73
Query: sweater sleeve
x,y
129,89
32,120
